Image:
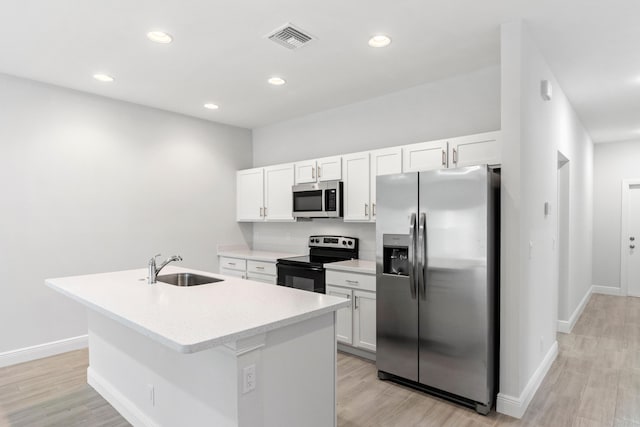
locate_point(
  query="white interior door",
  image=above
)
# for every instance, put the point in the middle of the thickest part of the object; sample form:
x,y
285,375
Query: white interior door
x,y
631,242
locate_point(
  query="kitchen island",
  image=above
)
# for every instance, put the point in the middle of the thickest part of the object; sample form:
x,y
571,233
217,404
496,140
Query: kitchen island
x,y
231,353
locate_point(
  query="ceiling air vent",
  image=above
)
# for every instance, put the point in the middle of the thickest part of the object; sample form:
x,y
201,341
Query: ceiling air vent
x,y
290,37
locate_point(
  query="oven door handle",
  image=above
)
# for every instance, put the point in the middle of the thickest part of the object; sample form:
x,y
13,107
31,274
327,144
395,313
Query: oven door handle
x,y
296,267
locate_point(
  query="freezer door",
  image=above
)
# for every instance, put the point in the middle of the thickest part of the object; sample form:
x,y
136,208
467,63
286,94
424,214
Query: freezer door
x,y
453,289
396,290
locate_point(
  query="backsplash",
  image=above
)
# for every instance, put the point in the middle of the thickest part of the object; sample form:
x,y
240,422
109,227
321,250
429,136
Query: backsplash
x,y
294,236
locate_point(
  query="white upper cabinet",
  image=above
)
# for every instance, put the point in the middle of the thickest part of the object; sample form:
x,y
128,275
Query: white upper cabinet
x,y
477,149
329,168
278,200
325,169
383,162
249,195
424,156
264,194
355,172
305,172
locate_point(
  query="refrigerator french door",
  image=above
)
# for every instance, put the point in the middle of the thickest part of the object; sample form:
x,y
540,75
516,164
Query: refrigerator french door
x,y
436,266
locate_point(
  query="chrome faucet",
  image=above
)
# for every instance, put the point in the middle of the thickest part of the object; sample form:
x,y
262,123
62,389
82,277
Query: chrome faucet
x,y
154,270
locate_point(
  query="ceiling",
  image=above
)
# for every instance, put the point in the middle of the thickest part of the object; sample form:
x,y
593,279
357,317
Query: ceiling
x,y
220,55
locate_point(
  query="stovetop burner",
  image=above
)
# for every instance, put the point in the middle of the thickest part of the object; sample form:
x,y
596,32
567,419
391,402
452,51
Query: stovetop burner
x,y
326,249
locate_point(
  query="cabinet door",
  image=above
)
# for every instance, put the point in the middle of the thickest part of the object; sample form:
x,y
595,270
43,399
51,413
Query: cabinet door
x,y
249,195
424,156
344,316
278,200
356,187
329,168
305,172
383,162
472,150
364,320
234,273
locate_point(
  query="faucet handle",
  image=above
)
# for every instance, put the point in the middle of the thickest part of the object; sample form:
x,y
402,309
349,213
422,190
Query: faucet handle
x,y
153,258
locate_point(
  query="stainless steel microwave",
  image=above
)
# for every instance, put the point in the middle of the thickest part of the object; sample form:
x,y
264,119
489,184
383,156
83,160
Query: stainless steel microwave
x,y
318,200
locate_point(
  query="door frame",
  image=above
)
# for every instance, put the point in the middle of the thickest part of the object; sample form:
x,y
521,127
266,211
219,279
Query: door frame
x,y
624,232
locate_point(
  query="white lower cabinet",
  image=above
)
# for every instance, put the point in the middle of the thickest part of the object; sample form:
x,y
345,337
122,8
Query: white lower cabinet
x,y
259,271
356,324
364,320
344,316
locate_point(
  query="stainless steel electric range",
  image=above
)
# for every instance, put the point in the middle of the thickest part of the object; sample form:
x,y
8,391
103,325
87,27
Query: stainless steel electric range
x,y
307,272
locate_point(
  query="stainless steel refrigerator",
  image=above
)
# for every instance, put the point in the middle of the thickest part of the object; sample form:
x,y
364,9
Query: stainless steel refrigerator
x,y
437,282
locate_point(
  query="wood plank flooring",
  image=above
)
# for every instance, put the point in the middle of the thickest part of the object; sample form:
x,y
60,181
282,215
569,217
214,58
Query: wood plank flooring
x,y
595,382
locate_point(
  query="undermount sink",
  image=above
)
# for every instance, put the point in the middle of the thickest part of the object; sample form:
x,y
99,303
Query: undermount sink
x,y
186,279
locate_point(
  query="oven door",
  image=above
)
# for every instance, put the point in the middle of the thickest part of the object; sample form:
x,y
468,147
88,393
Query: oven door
x,y
299,277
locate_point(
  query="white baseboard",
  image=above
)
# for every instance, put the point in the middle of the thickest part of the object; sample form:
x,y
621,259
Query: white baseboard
x,y
607,290
517,406
365,354
124,406
566,326
39,351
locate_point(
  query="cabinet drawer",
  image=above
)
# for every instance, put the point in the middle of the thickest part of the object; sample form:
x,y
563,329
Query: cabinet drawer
x,y
352,280
261,267
233,263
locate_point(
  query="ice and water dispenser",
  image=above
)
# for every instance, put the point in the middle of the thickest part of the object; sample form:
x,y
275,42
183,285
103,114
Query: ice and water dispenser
x,y
395,254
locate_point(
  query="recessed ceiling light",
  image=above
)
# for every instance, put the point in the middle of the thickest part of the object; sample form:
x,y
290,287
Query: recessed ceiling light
x,y
379,40
105,78
276,81
211,106
159,37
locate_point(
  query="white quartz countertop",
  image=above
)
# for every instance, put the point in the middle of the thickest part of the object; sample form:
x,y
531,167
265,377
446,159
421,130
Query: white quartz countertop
x,y
267,256
353,265
195,318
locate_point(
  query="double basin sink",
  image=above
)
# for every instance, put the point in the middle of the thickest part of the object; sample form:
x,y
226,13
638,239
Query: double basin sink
x,y
186,279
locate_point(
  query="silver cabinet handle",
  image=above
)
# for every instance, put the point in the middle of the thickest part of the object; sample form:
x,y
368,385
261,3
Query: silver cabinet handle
x,y
632,246
259,268
444,158
455,156
632,238
319,172
366,209
261,212
373,209
232,263
355,282
412,248
265,211
313,172
356,303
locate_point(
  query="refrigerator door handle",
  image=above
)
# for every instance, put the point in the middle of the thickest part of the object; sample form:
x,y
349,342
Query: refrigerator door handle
x,y
412,256
422,254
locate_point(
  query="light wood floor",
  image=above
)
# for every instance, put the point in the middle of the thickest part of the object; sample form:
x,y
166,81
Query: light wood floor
x,y
594,382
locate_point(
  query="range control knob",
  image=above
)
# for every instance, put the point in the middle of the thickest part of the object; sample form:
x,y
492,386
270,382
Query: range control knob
x,y
344,242
350,242
317,240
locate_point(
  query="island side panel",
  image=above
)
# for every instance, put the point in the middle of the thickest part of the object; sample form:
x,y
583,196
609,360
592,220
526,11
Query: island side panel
x,y
299,378
152,385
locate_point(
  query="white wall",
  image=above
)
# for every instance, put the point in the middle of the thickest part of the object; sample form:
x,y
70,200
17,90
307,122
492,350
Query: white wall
x,y
533,131
613,162
461,105
90,185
